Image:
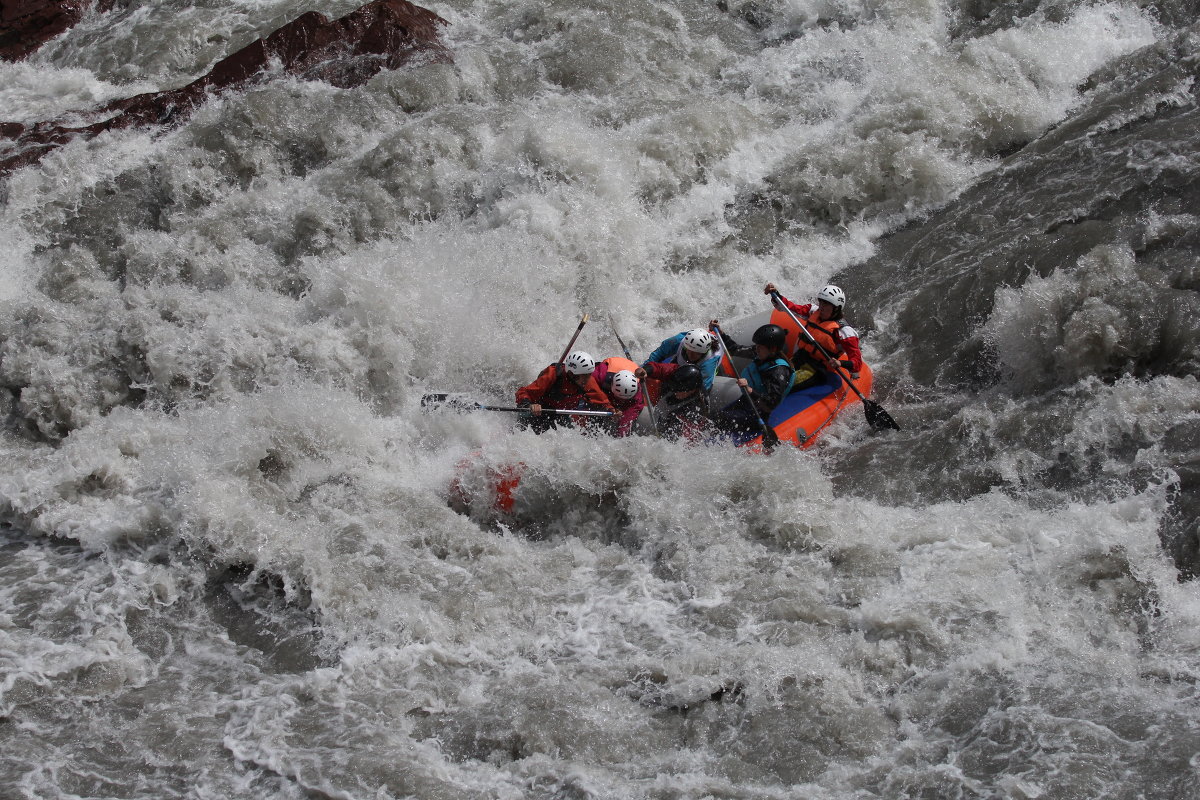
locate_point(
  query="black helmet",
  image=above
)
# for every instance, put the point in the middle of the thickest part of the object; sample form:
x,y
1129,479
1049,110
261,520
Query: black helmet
x,y
771,336
685,379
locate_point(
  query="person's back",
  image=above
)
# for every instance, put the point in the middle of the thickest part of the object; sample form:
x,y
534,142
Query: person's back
x,y
616,378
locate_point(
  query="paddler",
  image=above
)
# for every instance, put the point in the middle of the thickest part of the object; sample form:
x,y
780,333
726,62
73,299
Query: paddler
x,y
683,410
569,386
616,378
698,347
825,321
767,379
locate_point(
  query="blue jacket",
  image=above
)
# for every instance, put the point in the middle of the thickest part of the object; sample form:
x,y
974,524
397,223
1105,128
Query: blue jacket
x,y
771,380
671,352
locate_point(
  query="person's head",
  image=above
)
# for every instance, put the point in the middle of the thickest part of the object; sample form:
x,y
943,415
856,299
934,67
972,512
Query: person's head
x,y
579,366
625,385
697,344
830,301
685,380
769,340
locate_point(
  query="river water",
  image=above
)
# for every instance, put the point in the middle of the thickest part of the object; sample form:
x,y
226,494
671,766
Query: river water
x,y
228,563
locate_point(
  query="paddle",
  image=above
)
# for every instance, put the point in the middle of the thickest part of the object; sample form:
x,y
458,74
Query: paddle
x,y
642,383
877,418
461,403
465,404
571,344
570,412
769,437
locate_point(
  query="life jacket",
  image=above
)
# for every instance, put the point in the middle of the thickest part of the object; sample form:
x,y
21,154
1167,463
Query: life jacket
x,y
609,367
754,373
826,334
557,395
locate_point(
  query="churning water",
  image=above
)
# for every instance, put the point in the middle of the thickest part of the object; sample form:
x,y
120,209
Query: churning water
x,y
229,567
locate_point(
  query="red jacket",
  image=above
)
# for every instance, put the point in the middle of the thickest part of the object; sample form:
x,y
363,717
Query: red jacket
x,y
552,392
847,337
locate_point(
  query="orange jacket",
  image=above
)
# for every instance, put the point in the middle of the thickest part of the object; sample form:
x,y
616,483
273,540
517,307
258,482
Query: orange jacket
x,y
552,391
847,347
825,334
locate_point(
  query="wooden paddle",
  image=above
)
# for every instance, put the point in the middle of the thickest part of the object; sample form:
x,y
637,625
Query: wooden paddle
x,y
571,343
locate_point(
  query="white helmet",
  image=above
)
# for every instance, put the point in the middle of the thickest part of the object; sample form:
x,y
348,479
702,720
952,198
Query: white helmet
x,y
580,363
625,385
698,341
833,294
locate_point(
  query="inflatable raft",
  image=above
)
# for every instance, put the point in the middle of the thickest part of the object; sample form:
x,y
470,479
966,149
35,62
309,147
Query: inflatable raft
x,y
799,420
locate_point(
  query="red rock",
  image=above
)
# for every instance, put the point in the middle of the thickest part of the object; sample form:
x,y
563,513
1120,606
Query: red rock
x,y
25,25
384,34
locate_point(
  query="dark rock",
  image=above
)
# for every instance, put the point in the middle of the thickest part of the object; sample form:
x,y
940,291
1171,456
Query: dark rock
x,y
384,34
25,25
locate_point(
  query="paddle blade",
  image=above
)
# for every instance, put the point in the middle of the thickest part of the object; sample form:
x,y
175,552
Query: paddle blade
x,y
448,401
877,418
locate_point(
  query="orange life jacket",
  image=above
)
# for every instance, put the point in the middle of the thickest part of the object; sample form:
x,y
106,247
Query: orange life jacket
x,y
825,333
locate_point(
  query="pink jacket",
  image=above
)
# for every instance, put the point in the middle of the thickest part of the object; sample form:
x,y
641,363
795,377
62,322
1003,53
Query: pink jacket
x,y
629,409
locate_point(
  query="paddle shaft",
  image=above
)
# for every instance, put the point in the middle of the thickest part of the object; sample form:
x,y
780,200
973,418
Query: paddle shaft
x,y
571,343
770,438
462,404
552,411
645,389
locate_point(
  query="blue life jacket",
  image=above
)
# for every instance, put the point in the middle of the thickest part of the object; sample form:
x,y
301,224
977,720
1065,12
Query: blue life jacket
x,y
753,373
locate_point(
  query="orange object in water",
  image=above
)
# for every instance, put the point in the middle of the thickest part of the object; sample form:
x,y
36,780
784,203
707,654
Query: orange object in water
x,y
502,483
506,479
805,414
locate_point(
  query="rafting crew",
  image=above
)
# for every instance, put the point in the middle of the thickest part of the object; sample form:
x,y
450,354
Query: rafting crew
x,y
679,375
825,321
570,385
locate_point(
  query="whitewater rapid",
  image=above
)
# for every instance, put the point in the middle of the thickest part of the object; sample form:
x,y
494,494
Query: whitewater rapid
x,y
229,567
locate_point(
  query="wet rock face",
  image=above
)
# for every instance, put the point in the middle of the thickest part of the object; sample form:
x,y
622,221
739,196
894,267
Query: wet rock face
x,y
25,25
385,34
